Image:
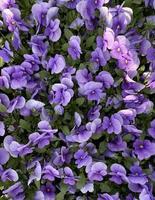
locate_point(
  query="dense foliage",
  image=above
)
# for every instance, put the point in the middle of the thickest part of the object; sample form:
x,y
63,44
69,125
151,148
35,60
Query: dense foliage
x,y
77,95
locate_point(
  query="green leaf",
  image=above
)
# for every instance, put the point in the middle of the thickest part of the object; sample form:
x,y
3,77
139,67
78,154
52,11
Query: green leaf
x,y
61,195
81,182
44,74
67,33
25,125
90,41
102,146
65,129
1,62
80,101
65,47
96,136
2,108
105,187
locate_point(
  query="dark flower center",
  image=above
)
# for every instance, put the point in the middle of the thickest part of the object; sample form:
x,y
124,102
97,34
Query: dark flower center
x,y
48,190
43,16
97,60
93,92
32,62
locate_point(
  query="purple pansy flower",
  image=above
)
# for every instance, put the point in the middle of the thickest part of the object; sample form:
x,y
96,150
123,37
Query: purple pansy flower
x,y
69,178
144,149
49,191
36,175
118,174
150,3
15,191
83,76
14,148
107,41
56,64
9,174
2,128
6,52
74,48
62,155
145,195
16,41
39,12
117,144
137,176
138,102
16,103
113,124
120,47
60,94
94,113
39,47
33,60
50,173
97,171
72,3
80,135
105,78
12,18
39,195
93,90
151,130
4,156
4,82
106,196
43,136
88,187
96,3
99,58
82,158
4,100
7,4
151,55
77,23
53,31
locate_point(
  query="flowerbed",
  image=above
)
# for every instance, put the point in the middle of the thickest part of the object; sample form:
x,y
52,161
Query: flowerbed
x,y
77,86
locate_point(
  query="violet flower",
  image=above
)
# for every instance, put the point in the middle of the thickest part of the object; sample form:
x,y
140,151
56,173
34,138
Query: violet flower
x,y
15,191
50,173
56,64
113,124
97,171
4,156
137,176
9,174
53,30
69,178
6,52
74,48
144,149
82,158
118,174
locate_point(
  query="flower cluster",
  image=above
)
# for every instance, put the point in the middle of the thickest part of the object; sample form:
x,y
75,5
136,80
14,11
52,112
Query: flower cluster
x,y
77,87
